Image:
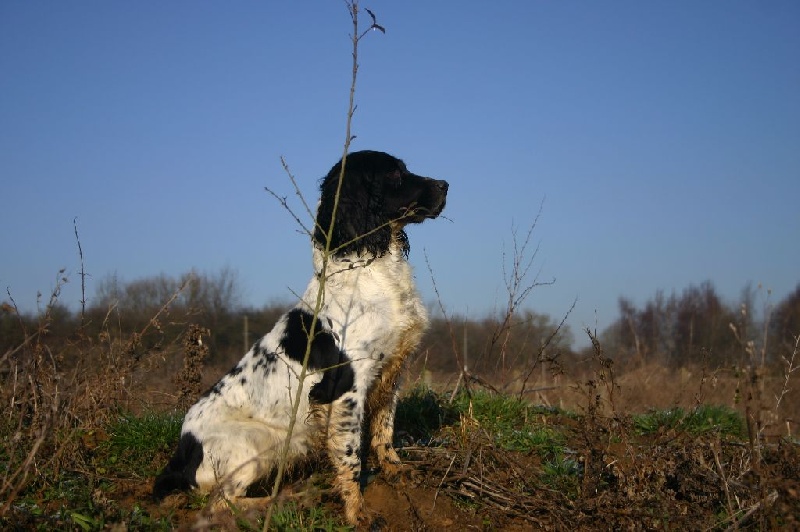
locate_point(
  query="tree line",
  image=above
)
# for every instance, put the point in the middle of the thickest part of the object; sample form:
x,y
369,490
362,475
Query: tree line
x,y
698,326
695,326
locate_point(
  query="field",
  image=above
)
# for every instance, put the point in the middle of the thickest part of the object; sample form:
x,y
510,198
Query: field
x,y
87,425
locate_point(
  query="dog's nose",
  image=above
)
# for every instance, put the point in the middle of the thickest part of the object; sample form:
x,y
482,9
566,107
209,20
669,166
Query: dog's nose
x,y
443,185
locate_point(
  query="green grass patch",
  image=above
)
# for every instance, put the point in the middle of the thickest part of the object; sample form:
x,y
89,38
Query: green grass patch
x,y
136,444
289,517
513,423
701,420
562,474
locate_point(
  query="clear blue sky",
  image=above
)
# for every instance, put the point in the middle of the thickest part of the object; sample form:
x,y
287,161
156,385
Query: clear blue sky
x,y
663,137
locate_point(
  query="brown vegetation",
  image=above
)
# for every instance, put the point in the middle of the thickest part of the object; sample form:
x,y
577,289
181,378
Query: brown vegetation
x,y
63,381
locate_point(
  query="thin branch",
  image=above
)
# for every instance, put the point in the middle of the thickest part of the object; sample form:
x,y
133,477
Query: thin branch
x,y
790,368
326,255
83,273
545,346
463,374
285,204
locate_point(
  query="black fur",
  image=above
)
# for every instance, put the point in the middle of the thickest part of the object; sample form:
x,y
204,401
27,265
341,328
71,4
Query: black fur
x,y
379,197
366,228
179,474
338,377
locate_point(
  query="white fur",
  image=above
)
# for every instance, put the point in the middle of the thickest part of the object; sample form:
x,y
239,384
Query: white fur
x,y
368,305
358,319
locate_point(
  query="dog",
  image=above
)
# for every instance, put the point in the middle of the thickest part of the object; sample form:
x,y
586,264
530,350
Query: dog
x,y
358,320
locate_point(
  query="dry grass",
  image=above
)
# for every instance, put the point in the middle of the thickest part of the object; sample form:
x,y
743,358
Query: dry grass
x,y
581,459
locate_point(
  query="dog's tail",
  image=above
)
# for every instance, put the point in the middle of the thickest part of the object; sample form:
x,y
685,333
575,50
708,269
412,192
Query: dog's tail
x,y
179,474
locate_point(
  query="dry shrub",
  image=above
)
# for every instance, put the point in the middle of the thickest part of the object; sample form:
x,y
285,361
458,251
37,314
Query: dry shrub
x,y
58,396
190,379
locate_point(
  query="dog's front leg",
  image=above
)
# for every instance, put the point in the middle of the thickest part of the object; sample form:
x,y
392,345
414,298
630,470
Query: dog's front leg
x,y
381,405
344,451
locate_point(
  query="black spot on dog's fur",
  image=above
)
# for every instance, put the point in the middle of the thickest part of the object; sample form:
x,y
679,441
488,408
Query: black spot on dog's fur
x,y
334,383
296,336
179,473
323,355
216,389
266,362
220,385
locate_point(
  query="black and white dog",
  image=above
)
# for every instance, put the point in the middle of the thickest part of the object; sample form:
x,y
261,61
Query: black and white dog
x,y
369,319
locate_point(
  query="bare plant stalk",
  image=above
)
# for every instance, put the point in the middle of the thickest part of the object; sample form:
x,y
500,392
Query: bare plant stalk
x,y
518,288
732,511
83,273
352,7
518,285
539,358
463,374
285,204
38,392
790,368
604,374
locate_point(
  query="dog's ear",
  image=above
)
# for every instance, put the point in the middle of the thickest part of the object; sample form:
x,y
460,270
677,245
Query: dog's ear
x,y
360,225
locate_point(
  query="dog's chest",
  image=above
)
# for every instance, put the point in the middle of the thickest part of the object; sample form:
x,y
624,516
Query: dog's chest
x,y
372,308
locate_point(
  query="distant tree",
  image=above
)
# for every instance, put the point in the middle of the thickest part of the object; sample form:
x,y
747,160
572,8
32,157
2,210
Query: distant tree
x,y
207,300
531,333
212,301
491,345
679,330
212,295
627,340
746,324
12,327
644,335
62,322
702,322
208,295
137,299
785,321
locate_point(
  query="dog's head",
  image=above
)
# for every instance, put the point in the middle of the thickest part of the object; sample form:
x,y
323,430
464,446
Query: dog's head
x,y
378,197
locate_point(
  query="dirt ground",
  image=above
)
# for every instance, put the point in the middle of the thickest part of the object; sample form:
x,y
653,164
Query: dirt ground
x,y
665,481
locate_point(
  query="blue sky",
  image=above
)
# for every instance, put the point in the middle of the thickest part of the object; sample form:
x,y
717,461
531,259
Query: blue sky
x,y
663,138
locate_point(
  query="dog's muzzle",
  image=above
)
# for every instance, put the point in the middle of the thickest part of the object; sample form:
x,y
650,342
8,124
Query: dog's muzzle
x,y
441,192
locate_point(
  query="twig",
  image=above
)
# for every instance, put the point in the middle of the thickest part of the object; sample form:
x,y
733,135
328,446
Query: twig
x,y
517,287
790,368
326,254
545,346
83,273
463,373
285,204
441,482
715,450
769,500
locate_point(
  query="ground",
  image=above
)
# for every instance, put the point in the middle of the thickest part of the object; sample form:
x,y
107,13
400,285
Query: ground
x,y
553,470
478,459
